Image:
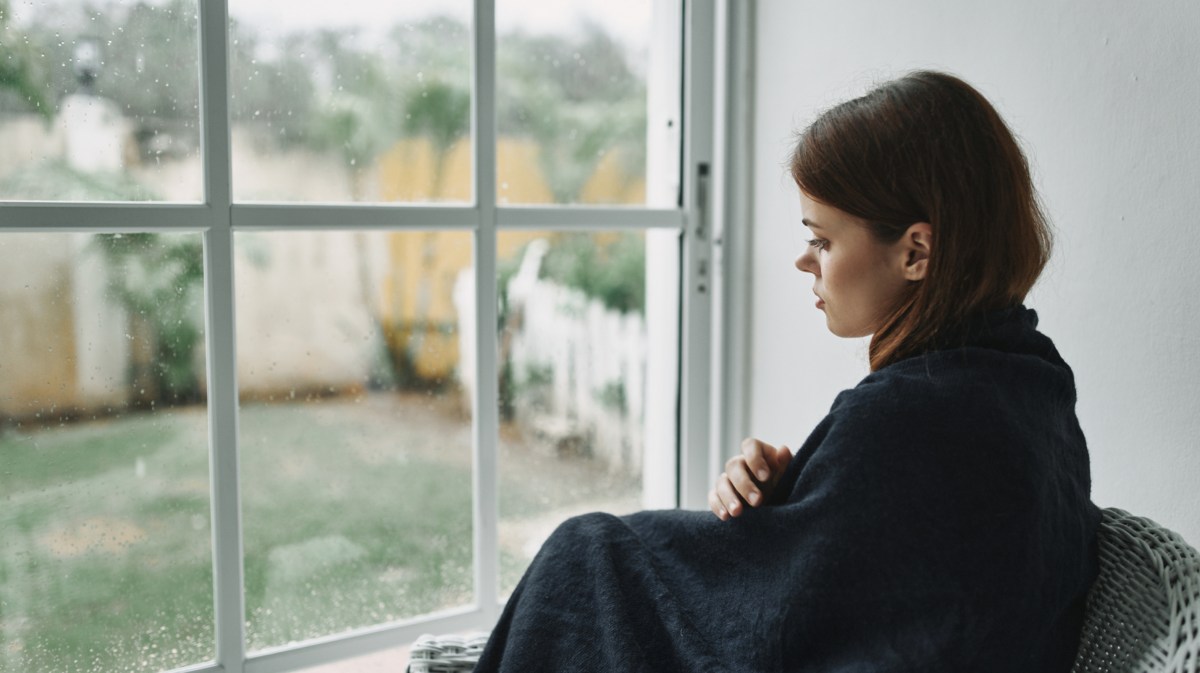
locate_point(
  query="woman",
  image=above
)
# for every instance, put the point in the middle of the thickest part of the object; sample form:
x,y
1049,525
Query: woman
x,y
938,519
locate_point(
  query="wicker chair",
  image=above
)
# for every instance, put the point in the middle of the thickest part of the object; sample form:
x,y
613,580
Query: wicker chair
x,y
446,654
1143,612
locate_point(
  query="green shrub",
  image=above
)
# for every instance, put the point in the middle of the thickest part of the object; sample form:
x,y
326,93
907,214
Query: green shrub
x,y
612,272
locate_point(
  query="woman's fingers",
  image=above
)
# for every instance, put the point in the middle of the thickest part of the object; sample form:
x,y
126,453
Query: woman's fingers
x,y
737,471
780,460
728,497
715,504
748,479
755,452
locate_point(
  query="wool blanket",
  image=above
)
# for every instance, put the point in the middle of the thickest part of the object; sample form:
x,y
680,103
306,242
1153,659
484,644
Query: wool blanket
x,y
938,519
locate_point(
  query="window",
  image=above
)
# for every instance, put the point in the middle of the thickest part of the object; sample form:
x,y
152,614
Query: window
x,y
315,319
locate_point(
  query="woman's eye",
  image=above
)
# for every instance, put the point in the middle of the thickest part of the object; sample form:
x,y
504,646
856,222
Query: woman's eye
x,y
818,243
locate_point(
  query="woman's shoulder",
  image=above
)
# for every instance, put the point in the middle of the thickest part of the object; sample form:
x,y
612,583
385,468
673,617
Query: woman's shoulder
x,y
967,394
998,358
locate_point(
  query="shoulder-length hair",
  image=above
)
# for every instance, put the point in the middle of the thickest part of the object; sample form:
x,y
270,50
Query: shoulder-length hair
x,y
930,148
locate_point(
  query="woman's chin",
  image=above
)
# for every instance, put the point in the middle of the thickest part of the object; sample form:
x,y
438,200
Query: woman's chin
x,y
845,331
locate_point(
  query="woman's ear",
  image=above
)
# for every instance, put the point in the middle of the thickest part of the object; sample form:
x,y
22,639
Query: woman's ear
x,y
917,243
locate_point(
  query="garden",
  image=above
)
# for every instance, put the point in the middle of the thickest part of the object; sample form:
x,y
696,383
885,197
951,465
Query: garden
x,y
356,511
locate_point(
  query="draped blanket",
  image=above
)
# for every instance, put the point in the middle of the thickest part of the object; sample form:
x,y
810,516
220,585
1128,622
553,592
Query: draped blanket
x,y
938,519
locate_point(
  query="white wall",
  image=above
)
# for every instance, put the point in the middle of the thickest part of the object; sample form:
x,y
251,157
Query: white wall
x,y
1106,99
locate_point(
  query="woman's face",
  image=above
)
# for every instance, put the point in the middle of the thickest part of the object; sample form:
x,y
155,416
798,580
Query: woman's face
x,y
857,279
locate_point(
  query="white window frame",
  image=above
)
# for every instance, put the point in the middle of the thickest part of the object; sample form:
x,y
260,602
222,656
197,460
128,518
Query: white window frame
x,y
699,219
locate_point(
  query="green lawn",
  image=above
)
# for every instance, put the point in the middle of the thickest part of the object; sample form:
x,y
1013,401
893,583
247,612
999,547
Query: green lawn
x,y
355,512
96,560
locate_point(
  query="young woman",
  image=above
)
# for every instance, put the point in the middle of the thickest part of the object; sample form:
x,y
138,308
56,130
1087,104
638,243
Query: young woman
x,y
938,519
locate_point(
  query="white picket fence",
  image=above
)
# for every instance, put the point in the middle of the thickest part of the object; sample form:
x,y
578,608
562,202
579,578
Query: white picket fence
x,y
578,368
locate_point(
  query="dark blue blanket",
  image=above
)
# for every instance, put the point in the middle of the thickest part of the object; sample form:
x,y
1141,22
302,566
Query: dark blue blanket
x,y
938,519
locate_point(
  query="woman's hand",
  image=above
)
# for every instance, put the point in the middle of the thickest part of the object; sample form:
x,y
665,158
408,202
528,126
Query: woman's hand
x,y
748,479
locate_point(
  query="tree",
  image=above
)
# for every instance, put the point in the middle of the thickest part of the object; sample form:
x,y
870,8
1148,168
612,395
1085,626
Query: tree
x,y
276,94
158,279
148,54
576,100
17,75
441,112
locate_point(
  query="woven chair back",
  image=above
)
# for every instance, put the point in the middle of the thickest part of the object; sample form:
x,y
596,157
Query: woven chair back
x,y
446,654
1143,612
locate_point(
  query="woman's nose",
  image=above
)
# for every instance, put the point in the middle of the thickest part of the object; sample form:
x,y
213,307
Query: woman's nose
x,y
807,261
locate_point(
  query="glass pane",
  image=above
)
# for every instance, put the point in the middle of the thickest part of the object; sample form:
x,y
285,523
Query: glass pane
x,y
587,100
105,559
350,101
99,101
392,660
588,346
355,430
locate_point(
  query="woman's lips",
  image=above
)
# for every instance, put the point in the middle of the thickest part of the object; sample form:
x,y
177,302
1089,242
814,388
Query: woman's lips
x,y
820,302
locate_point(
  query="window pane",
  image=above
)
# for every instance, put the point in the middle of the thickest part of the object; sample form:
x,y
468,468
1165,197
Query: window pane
x,y
105,563
99,101
350,101
391,660
587,101
588,342
355,432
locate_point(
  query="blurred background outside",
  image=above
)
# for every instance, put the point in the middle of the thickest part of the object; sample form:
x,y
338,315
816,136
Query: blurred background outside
x,y
355,348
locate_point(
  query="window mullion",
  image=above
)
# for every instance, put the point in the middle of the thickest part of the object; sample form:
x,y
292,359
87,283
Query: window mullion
x,y
609,219
695,459
486,408
278,217
229,599
731,314
107,217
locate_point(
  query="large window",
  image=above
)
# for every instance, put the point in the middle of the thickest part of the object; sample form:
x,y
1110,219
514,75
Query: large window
x,y
316,318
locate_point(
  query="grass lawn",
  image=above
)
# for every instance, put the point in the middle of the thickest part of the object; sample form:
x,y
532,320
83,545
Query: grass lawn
x,y
355,512
106,563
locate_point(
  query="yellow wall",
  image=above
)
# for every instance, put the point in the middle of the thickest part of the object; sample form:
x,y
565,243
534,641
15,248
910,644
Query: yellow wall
x,y
610,185
418,305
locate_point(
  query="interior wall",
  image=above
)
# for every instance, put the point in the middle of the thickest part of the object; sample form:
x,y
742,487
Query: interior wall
x,y
1105,100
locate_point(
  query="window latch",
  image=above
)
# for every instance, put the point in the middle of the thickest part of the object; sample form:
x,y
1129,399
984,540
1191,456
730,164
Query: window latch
x,y
701,200
701,228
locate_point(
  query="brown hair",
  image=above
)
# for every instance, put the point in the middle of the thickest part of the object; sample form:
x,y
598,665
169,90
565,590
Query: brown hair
x,y
930,148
